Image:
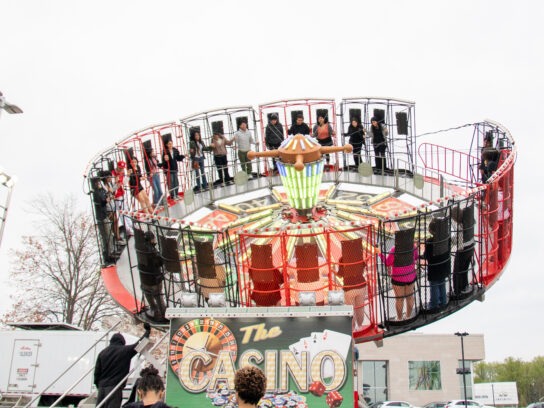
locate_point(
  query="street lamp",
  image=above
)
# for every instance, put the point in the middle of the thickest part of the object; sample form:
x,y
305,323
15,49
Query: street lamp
x,y
463,371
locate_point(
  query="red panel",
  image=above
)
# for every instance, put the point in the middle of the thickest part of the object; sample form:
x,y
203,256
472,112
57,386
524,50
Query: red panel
x,y
218,218
118,291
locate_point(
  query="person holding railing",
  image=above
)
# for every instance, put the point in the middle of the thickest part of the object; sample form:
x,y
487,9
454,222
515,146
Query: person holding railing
x,y
274,136
403,277
112,365
324,132
437,255
136,188
171,157
118,183
101,199
111,206
244,139
219,149
463,238
357,136
378,133
196,150
299,127
152,165
151,276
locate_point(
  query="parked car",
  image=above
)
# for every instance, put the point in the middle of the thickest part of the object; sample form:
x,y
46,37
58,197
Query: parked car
x,y
469,403
435,405
401,404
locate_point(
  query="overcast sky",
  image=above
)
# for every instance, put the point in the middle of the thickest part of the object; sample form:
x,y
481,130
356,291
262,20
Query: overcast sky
x,y
89,73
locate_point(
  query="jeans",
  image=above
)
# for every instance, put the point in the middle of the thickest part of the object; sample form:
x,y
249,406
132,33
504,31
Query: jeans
x,y
438,294
379,150
157,189
199,173
173,183
245,163
222,168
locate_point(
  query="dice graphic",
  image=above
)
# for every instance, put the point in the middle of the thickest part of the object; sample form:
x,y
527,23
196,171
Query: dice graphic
x,y
334,399
317,388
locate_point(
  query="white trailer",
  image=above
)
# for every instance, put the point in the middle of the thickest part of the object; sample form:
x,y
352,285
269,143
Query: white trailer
x,y
32,359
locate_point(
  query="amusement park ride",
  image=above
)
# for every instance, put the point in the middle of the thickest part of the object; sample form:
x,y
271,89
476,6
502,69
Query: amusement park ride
x,y
316,230
400,244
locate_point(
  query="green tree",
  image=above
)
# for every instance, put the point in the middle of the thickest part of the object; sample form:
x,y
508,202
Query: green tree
x,y
528,376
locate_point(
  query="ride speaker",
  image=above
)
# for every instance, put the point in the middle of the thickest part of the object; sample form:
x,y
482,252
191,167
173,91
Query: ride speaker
x,y
379,114
166,138
193,130
147,147
240,120
355,113
322,112
402,123
129,154
217,127
294,115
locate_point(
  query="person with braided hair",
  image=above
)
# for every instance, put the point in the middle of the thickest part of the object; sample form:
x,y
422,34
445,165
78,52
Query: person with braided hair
x,y
250,385
150,390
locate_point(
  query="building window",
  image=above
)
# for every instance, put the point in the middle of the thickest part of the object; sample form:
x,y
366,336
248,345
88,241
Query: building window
x,y
374,381
424,375
468,379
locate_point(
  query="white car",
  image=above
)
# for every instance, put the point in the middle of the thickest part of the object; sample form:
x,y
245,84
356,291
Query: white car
x,y
396,404
469,403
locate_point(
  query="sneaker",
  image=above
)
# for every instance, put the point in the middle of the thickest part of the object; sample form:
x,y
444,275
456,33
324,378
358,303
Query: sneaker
x,y
217,182
121,242
197,189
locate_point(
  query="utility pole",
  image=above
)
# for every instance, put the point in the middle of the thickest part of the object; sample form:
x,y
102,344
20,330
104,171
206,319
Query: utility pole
x,y
463,371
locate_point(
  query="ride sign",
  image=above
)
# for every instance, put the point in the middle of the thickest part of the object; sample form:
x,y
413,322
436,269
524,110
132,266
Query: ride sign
x,y
303,366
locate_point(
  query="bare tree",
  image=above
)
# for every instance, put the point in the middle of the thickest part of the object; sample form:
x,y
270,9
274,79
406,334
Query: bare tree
x,y
57,271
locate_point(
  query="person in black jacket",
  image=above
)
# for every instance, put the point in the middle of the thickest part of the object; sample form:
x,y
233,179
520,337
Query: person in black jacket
x,y
274,135
150,389
378,132
151,276
112,365
299,127
171,157
357,135
101,198
437,254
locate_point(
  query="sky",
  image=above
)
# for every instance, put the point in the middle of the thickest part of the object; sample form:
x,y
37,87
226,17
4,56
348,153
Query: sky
x,y
88,73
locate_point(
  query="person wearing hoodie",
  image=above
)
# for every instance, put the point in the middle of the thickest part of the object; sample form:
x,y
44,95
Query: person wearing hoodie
x,y
112,365
150,390
274,135
151,277
357,135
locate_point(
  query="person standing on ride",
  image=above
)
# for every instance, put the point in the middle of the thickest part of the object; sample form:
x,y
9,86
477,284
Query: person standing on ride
x,y
152,166
357,135
274,135
136,188
379,133
299,127
196,150
324,132
118,184
219,148
244,139
171,158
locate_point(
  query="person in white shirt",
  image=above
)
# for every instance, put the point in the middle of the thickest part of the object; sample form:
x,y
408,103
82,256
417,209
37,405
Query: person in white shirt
x,y
244,139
